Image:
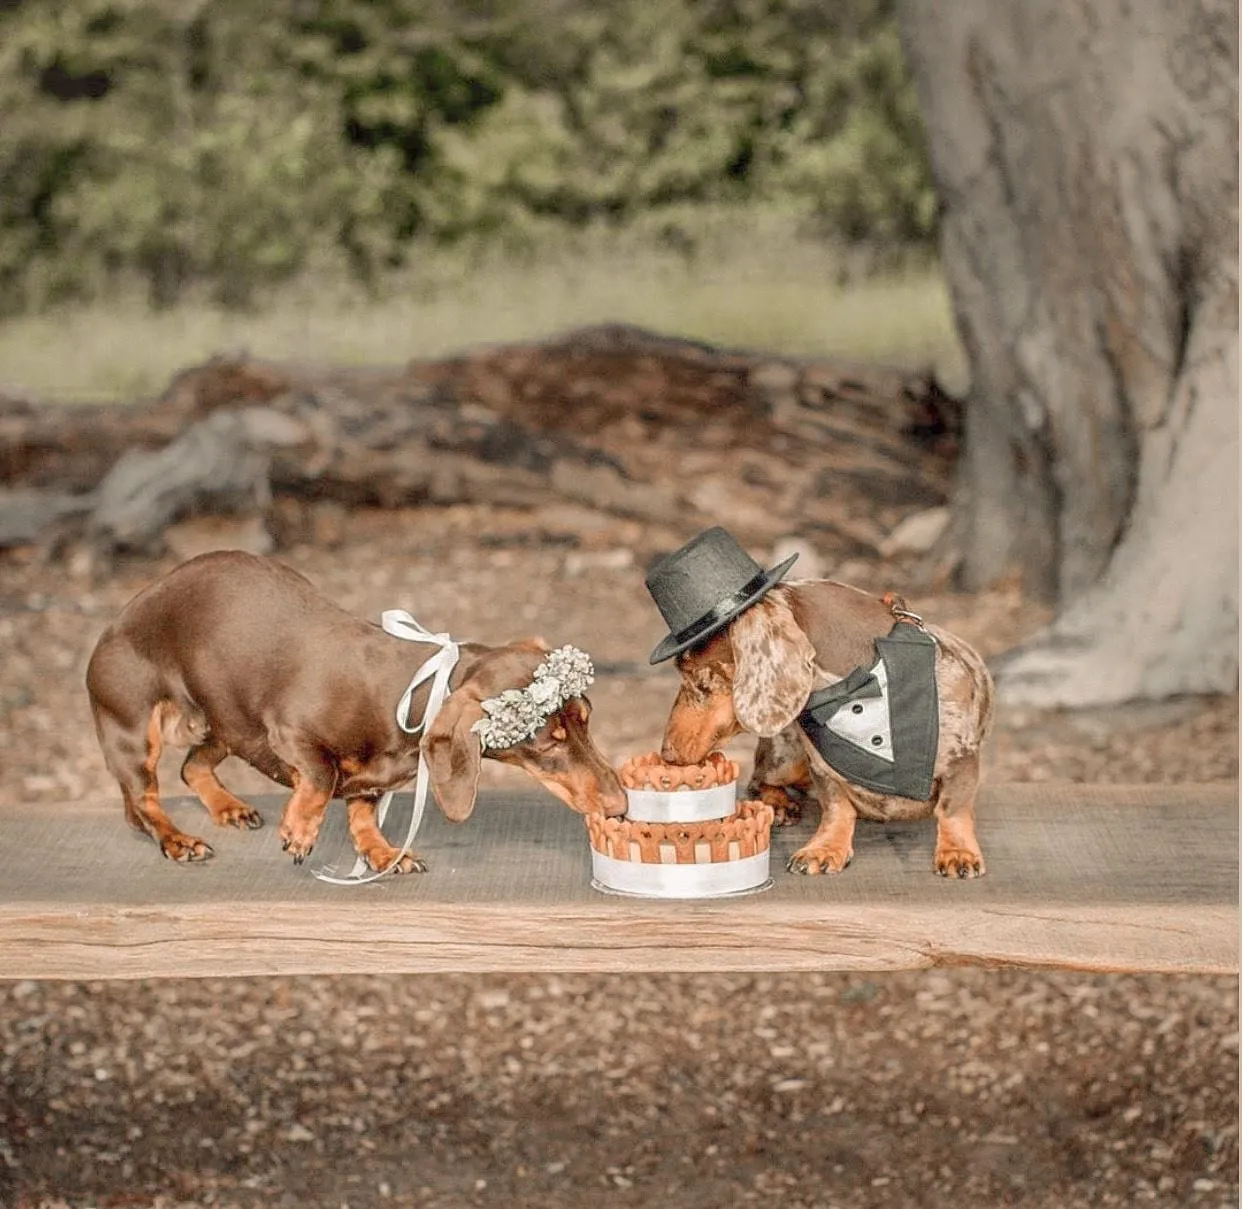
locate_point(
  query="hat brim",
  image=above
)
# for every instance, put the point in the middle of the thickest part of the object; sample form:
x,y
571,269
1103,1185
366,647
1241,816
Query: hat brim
x,y
674,644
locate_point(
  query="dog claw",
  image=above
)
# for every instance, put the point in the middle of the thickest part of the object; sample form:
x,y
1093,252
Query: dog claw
x,y
298,847
241,816
186,851
390,862
963,865
812,863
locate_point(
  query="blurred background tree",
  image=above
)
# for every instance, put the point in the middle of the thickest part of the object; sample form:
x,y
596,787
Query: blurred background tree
x,y
227,148
1087,160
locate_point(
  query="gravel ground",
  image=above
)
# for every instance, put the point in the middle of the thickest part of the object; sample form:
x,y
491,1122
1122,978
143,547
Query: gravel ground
x,y
970,1086
1005,1087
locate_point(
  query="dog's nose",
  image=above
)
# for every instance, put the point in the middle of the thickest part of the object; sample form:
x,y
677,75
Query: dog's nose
x,y
670,754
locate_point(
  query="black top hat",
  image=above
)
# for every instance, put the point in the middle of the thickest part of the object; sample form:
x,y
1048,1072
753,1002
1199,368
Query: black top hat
x,y
700,588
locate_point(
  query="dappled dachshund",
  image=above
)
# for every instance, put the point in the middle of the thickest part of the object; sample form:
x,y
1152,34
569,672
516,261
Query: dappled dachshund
x,y
231,654
796,663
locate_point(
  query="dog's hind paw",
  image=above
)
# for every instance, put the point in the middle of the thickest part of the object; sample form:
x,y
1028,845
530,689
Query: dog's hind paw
x,y
241,816
382,860
186,848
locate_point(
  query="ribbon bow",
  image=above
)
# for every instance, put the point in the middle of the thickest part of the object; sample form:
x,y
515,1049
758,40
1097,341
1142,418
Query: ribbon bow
x,y
437,669
861,682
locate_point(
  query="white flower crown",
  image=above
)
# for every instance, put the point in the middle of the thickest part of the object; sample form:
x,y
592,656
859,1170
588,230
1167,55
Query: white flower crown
x,y
519,712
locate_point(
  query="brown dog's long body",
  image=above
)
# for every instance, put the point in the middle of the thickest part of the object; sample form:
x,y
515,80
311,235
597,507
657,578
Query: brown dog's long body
x,y
756,675
231,654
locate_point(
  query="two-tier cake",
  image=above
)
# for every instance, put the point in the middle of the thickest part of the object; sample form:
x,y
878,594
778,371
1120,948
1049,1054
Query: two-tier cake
x,y
685,834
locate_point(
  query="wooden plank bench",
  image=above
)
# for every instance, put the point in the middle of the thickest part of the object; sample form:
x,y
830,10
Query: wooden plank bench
x,y
1117,878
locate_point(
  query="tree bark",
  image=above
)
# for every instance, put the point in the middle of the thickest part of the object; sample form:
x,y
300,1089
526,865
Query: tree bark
x,y
1086,157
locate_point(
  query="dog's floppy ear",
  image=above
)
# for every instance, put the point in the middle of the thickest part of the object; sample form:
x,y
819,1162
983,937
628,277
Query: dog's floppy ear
x,y
774,662
452,754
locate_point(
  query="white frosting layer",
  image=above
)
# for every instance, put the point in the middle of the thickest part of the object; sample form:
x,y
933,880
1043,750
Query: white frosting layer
x,y
681,805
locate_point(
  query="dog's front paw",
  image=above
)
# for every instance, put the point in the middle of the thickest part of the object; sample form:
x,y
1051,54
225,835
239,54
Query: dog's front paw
x,y
955,861
298,851
299,845
393,860
820,858
186,848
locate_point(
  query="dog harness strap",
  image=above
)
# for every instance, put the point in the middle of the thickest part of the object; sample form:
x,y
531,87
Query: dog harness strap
x,y
437,669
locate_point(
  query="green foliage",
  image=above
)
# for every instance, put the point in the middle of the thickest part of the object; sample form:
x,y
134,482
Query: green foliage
x,y
231,146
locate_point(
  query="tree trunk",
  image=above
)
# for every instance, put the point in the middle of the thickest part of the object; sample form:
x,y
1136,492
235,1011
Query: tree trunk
x,y
1086,157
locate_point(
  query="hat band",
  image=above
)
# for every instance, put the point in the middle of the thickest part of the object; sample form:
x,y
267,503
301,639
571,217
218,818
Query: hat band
x,y
724,610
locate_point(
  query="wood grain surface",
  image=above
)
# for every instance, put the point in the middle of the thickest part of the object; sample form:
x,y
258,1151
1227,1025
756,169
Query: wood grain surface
x,y
1116,878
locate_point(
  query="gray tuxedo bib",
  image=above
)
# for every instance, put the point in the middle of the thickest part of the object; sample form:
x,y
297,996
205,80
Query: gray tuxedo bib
x,y
880,726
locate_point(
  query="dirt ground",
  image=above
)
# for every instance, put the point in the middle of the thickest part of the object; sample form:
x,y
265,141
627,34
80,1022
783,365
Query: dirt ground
x,y
988,1087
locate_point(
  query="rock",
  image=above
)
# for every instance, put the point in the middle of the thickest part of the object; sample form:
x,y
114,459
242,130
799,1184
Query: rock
x,y
841,378
917,534
579,562
26,517
810,564
328,519
605,489
735,505
201,534
773,378
221,464
858,572
776,385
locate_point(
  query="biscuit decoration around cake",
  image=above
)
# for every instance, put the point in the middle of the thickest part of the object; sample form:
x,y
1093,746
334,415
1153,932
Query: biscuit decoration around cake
x,y
709,859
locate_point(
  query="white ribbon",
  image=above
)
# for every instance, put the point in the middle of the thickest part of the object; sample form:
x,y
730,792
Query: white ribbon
x,y
437,669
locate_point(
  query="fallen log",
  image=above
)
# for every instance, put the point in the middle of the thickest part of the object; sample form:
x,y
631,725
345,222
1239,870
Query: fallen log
x,y
615,418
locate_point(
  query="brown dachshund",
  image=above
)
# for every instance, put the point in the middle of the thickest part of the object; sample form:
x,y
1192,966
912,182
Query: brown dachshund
x,y
756,675
231,654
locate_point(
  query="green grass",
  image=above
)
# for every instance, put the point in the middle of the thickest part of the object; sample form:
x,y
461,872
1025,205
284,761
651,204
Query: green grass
x,y
759,288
